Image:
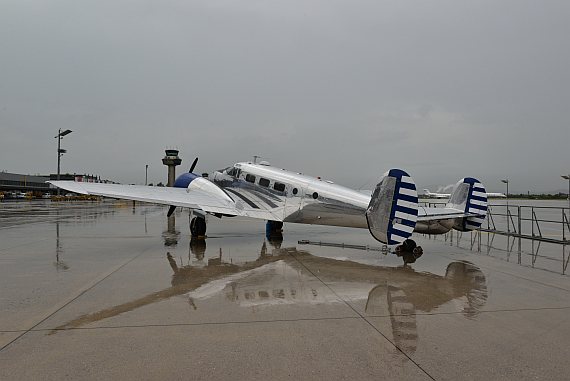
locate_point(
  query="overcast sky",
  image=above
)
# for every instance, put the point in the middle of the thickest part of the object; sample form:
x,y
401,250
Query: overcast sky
x,y
340,89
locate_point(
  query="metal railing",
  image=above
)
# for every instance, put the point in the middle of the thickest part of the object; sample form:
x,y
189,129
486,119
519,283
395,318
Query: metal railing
x,y
537,235
541,223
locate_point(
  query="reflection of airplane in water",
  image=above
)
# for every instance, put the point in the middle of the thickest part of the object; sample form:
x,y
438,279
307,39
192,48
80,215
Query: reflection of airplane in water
x,y
286,276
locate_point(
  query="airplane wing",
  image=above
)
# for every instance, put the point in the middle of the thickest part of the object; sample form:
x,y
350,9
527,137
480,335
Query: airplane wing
x,y
209,199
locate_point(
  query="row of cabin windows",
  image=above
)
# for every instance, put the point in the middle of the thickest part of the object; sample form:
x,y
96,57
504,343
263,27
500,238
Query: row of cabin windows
x,y
265,183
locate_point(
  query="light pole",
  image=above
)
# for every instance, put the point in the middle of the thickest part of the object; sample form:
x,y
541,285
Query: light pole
x,y
146,175
567,177
506,181
60,151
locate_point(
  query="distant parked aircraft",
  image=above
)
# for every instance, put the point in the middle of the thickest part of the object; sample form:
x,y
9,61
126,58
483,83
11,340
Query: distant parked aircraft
x,y
447,195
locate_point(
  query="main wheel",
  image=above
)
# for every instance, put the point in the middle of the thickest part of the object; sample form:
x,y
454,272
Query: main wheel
x,y
198,227
273,227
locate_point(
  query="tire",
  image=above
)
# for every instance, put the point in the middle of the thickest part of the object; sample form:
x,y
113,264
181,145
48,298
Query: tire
x,y
408,245
198,227
273,227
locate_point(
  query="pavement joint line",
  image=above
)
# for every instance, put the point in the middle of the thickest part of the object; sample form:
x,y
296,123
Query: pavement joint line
x,y
365,319
81,292
284,320
201,324
280,320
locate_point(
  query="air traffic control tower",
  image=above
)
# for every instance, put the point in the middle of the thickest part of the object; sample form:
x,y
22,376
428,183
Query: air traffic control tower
x,y
171,160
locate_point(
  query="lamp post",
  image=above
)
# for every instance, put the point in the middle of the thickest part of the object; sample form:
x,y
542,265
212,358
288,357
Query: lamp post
x,y
60,151
506,181
567,177
146,175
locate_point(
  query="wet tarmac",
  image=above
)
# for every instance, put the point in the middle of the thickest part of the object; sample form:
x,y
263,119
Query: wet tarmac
x,y
100,290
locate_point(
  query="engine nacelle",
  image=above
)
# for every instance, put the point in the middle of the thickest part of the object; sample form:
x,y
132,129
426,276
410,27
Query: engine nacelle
x,y
434,226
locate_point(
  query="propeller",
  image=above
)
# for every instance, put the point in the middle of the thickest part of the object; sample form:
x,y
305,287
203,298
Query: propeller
x,y
193,165
173,207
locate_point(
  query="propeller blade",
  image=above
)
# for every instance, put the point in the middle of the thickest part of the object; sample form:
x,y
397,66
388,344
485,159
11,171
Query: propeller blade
x,y
193,165
171,210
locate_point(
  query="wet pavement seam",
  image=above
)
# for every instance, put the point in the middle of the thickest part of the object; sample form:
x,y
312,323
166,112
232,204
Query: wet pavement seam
x,y
365,319
82,292
189,324
281,320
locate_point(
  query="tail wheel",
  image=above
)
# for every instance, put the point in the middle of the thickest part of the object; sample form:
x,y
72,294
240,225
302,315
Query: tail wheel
x,y
198,227
409,251
407,246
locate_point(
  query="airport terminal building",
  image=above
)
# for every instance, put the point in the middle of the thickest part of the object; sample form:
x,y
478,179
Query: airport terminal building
x,y
16,182
10,182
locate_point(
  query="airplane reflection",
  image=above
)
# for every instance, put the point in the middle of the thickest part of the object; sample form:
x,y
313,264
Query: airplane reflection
x,y
281,276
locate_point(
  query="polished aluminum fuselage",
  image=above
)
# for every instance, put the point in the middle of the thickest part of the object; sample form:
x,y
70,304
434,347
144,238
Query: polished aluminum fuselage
x,y
315,201
312,200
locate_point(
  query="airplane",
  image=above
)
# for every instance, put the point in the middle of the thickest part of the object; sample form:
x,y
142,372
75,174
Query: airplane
x,y
427,193
261,191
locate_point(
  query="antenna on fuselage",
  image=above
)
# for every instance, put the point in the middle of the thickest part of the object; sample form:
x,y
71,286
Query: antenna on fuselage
x,y
255,157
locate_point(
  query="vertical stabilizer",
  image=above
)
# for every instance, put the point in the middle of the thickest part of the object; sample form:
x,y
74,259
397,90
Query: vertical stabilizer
x,y
393,209
469,195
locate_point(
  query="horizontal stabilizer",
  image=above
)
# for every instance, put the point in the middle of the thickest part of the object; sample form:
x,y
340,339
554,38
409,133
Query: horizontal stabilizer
x,y
393,209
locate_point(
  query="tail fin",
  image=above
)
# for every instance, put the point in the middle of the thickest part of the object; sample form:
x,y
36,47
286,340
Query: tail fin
x,y
393,209
469,195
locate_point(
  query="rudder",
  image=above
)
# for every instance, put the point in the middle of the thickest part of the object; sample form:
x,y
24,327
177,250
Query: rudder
x,y
393,209
470,196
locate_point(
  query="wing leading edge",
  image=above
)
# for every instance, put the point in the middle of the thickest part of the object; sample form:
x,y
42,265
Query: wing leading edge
x,y
197,198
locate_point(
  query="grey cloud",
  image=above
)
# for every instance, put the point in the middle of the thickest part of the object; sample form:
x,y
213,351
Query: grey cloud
x,y
340,89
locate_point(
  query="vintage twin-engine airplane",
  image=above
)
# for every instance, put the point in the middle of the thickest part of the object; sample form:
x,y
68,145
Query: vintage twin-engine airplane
x,y
269,193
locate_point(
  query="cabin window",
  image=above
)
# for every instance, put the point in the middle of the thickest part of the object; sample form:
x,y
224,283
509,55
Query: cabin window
x,y
250,178
315,195
295,190
264,182
279,187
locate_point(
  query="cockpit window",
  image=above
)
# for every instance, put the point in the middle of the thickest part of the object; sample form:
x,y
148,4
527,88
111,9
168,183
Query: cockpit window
x,y
232,171
279,187
250,178
264,182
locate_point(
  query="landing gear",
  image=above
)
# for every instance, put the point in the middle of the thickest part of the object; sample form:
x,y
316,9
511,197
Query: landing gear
x,y
198,227
409,251
273,228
